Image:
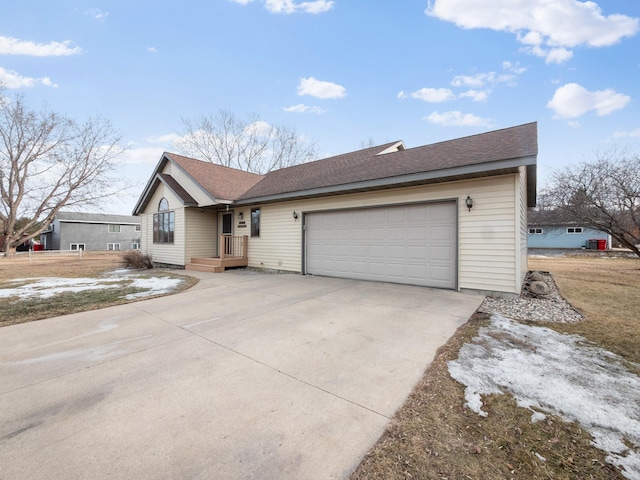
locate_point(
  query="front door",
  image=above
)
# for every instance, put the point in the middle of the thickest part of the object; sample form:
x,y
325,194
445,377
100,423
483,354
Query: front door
x,y
226,228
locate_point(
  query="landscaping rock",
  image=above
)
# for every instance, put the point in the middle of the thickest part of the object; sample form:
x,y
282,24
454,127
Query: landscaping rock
x,y
539,288
536,277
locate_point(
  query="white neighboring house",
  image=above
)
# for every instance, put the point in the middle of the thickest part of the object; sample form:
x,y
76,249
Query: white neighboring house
x,y
92,231
449,215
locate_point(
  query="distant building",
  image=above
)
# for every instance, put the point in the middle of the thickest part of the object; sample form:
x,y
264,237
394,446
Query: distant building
x,y
547,229
92,231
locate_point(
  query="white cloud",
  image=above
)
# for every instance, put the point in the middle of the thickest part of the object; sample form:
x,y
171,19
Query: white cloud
x,y
302,108
458,119
513,68
476,95
574,124
290,6
11,79
152,49
573,100
631,133
482,79
431,95
546,28
14,46
320,89
141,155
97,14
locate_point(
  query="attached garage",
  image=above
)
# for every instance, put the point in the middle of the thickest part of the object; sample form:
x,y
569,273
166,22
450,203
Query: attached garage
x,y
414,244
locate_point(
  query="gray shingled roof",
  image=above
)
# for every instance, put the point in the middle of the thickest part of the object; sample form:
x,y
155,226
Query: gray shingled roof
x,y
366,165
173,184
223,183
492,153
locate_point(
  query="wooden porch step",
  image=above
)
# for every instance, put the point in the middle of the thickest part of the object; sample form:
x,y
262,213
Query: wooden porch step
x,y
213,264
199,267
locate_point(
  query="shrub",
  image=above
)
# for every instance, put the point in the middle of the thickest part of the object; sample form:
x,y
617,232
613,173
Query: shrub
x,y
136,259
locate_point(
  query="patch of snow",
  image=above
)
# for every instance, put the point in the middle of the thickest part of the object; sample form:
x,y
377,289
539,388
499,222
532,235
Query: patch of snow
x,y
48,287
559,374
153,286
51,286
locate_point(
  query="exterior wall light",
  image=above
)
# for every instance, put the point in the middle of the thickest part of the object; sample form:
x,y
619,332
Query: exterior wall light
x,y
469,202
295,215
240,216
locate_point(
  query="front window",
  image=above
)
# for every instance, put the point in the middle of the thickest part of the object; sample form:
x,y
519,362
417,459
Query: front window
x,y
135,246
114,228
255,222
163,223
113,246
76,246
163,227
535,231
138,228
574,230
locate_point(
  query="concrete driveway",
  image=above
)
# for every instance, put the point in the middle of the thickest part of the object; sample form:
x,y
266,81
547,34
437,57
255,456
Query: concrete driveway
x,y
244,376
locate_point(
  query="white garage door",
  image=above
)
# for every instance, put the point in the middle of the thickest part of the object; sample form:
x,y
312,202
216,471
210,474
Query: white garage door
x,y
413,244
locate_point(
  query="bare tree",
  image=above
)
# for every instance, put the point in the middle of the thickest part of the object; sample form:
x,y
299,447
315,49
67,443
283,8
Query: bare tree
x,y
249,144
603,194
48,161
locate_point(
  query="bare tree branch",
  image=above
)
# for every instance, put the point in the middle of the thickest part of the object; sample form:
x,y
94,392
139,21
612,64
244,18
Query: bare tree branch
x,y
48,161
604,194
249,144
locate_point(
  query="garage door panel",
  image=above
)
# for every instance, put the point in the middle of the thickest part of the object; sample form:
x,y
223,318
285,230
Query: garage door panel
x,y
413,244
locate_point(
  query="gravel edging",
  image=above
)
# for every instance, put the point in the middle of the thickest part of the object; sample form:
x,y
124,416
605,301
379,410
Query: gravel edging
x,y
531,307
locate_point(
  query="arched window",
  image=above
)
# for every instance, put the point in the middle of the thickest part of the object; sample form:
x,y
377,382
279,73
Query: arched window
x,y
163,223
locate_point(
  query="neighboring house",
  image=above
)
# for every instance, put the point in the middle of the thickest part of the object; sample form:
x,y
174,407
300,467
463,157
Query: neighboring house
x,y
383,213
92,231
549,230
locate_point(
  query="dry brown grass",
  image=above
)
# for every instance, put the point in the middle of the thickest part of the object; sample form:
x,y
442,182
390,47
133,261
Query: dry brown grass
x,y
433,436
607,292
92,264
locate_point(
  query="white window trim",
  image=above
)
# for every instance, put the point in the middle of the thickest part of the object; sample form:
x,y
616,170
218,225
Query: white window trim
x,y
138,228
112,245
135,246
113,225
79,246
576,230
536,231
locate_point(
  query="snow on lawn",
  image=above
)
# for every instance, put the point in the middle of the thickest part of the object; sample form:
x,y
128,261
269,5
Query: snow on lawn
x,y
51,286
559,374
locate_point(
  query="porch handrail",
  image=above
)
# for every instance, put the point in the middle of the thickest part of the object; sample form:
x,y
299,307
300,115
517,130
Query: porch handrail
x,y
233,246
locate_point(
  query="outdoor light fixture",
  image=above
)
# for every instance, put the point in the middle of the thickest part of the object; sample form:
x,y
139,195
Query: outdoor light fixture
x,y
240,216
469,202
295,216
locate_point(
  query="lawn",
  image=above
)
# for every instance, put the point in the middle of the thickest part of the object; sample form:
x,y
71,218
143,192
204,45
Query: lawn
x,y
81,284
435,436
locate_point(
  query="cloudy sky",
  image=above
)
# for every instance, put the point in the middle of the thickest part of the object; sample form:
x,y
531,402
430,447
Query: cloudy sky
x,y
341,72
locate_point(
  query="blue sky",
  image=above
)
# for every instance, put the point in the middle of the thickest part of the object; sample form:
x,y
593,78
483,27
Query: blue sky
x,y
340,72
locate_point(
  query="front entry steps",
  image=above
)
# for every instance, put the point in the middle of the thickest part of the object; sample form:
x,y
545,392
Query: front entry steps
x,y
215,264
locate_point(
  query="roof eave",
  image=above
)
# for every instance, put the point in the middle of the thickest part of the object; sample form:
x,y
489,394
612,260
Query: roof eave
x,y
143,200
470,171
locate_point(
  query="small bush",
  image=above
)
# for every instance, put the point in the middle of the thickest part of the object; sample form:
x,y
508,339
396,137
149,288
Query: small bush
x,y
136,259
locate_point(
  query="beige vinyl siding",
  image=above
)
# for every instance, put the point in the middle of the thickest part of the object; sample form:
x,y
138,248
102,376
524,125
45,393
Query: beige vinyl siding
x,y
194,189
524,231
202,228
169,253
486,238
487,259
